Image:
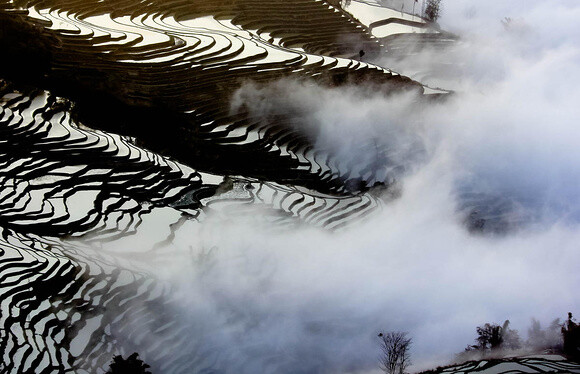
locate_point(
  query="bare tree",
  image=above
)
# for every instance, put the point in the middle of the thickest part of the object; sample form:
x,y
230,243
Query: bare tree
x,y
395,357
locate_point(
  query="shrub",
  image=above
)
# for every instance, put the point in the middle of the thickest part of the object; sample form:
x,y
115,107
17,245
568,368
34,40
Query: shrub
x,y
131,365
432,10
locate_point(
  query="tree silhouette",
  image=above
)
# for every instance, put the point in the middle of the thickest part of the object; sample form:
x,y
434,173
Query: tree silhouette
x,y
432,10
493,336
489,336
395,356
131,365
571,335
550,338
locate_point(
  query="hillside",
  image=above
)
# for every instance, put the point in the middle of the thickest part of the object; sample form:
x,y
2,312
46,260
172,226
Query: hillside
x,y
262,186
117,120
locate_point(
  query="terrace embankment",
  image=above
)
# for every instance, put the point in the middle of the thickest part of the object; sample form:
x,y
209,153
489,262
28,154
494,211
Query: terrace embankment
x,y
134,69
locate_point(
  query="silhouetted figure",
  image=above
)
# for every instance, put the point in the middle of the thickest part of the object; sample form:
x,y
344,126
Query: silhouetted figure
x,y
361,53
132,365
571,335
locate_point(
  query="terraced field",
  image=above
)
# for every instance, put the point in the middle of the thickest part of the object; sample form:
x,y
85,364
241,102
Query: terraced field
x,y
116,117
516,365
173,60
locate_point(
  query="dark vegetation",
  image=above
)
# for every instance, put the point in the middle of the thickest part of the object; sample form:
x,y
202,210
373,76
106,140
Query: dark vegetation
x,y
498,344
495,340
571,338
432,10
130,365
493,336
494,343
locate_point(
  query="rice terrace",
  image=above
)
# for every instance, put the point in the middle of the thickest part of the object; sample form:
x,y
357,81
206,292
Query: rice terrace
x,y
289,186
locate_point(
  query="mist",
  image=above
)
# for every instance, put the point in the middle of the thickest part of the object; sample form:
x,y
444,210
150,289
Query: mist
x,y
503,149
